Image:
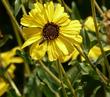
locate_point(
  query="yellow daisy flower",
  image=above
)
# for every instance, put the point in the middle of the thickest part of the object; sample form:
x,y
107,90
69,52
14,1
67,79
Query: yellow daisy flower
x,y
48,28
8,58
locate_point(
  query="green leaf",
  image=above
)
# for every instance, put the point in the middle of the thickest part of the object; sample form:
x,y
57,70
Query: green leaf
x,y
33,87
26,57
86,40
101,58
75,13
52,86
90,85
17,7
48,93
74,71
95,91
107,91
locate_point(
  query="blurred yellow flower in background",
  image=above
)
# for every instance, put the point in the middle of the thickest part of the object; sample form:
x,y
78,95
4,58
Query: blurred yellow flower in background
x,y
89,24
49,29
93,54
6,59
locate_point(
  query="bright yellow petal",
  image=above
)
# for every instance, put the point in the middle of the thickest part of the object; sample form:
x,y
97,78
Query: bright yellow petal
x,y
75,39
38,51
39,17
3,87
72,28
51,51
39,7
59,16
64,45
49,9
29,32
58,11
62,19
29,21
54,52
32,40
61,45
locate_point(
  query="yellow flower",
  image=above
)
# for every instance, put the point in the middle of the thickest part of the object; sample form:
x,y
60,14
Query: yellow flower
x,y
8,58
89,24
93,54
49,29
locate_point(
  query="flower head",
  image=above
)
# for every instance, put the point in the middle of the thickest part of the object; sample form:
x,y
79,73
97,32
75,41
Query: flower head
x,y
48,28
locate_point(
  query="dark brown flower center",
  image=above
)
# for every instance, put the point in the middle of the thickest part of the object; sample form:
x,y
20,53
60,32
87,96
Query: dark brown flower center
x,y
50,31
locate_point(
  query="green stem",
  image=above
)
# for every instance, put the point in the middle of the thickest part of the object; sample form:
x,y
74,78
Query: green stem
x,y
16,28
97,34
99,9
61,79
18,38
13,84
49,72
68,81
9,11
99,73
5,3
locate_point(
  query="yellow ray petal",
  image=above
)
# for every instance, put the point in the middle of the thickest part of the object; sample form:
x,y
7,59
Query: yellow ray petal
x,y
49,9
29,32
39,7
38,51
75,39
29,21
61,45
73,27
62,19
59,15
31,40
68,43
51,53
38,16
